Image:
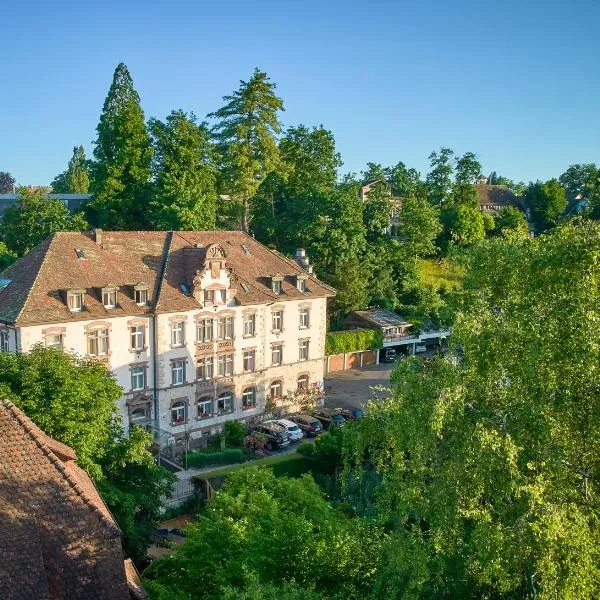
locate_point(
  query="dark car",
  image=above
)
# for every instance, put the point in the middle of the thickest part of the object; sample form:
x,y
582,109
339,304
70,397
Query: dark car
x,y
388,355
351,414
310,425
277,437
329,417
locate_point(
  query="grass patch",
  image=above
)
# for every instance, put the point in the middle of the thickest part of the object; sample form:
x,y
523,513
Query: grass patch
x,y
440,273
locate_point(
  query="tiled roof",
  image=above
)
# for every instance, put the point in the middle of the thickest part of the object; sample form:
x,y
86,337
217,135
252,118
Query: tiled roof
x,y
57,537
495,195
162,260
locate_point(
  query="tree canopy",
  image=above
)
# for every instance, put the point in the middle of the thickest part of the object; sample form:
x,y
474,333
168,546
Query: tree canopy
x,y
76,179
546,202
7,182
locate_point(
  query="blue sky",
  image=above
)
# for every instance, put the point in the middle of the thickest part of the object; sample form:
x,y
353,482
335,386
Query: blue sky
x,y
518,83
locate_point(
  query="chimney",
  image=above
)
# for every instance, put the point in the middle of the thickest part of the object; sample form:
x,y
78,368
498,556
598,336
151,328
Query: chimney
x,y
302,260
98,236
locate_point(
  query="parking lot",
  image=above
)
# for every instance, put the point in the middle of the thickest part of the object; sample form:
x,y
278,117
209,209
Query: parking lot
x,y
351,389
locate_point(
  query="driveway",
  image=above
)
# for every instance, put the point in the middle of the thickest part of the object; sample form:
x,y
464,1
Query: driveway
x,y
351,388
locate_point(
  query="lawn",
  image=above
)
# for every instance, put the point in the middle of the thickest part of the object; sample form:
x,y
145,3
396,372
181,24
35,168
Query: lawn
x,y
439,273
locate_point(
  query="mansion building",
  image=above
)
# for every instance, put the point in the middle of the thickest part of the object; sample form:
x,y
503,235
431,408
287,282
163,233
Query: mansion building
x,y
198,327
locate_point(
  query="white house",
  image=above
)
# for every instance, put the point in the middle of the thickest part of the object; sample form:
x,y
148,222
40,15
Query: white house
x,y
198,327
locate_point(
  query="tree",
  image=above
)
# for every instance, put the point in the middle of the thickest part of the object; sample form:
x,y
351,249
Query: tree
x,y
74,400
76,179
405,181
419,226
517,187
439,179
374,172
578,179
6,257
272,532
490,461
184,174
464,224
546,202
510,220
467,168
7,183
246,131
123,159
377,212
33,218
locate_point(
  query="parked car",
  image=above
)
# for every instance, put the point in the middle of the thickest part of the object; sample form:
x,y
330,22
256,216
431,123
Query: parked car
x,y
308,424
351,414
292,429
329,417
389,355
277,436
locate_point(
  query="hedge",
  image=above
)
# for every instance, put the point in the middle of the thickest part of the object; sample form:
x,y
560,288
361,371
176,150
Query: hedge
x,y
353,340
206,459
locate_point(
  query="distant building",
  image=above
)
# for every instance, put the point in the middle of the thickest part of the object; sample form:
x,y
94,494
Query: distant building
x,y
72,202
492,198
58,539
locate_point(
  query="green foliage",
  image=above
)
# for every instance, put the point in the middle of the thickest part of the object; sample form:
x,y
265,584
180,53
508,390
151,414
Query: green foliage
x,y
246,130
228,456
377,211
440,273
439,179
419,226
405,181
337,342
6,256
579,179
234,433
33,218
76,179
489,464
467,169
7,182
510,221
123,155
464,224
279,530
546,203
184,174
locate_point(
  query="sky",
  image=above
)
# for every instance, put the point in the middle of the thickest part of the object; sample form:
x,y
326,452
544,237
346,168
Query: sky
x,y
518,83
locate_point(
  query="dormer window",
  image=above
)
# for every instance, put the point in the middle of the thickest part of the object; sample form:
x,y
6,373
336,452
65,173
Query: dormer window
x,y
140,293
215,296
276,284
109,297
75,300
301,283
209,296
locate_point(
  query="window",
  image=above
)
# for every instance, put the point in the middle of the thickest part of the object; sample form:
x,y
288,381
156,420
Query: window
x,y
178,372
204,330
140,295
137,337
109,298
304,318
215,296
249,325
225,328
204,407
3,341
225,403
303,382
138,378
248,398
301,284
276,285
276,354
276,389
178,413
221,296
205,368
54,340
97,342
177,334
139,414
249,360
303,350
225,365
75,301
277,321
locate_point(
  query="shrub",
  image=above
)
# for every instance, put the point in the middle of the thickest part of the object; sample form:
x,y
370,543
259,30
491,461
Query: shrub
x,y
234,433
353,340
206,459
306,449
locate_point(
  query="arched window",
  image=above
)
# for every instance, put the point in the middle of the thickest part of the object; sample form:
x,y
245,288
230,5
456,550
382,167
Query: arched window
x,y
248,398
276,389
205,407
178,413
225,403
139,414
303,382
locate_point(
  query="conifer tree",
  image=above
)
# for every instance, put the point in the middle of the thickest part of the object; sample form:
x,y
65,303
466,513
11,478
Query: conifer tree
x,y
76,179
123,158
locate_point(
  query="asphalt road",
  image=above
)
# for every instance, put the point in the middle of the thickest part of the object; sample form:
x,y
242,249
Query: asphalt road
x,y
352,388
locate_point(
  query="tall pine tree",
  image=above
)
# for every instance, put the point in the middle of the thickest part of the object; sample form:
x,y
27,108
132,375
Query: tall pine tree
x,y
76,179
246,131
123,155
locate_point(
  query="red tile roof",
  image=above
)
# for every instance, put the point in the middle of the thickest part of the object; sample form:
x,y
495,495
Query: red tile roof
x,y
491,197
57,537
162,260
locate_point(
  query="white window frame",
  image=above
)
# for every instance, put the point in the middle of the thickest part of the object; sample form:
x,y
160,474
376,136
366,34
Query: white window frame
x,y
75,301
302,382
221,399
137,373
140,296
204,330
276,349
304,318
203,402
276,286
98,342
109,298
278,383
209,296
277,321
134,420
225,365
249,361
55,336
303,350
205,369
177,334
225,328
137,337
179,408
249,393
301,285
250,325
4,341
178,372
